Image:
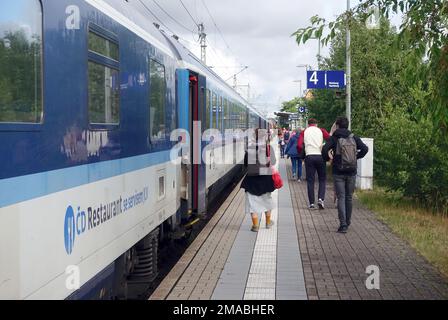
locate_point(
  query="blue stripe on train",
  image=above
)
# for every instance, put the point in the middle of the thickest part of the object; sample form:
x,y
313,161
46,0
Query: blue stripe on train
x,y
19,189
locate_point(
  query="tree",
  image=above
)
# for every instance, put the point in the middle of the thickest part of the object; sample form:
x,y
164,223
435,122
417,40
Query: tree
x,y
20,78
399,90
424,29
378,80
291,106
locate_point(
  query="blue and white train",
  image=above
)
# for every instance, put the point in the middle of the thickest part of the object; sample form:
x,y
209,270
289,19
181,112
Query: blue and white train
x,y
90,91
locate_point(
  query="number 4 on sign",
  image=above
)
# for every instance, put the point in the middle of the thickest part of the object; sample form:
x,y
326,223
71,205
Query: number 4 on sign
x,y
314,78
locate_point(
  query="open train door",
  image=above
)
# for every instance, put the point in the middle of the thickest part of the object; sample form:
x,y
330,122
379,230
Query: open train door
x,y
198,116
191,113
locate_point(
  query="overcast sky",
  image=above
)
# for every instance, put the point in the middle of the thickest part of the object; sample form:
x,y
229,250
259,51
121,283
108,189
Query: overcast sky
x,y
257,34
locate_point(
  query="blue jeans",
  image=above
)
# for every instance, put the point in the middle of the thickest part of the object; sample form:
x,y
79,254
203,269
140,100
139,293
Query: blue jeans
x,y
297,164
344,186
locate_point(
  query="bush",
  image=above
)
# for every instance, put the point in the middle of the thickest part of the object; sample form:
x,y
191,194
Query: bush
x,y
412,157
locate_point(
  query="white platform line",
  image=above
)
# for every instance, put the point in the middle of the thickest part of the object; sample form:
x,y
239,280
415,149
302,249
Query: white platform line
x,y
261,282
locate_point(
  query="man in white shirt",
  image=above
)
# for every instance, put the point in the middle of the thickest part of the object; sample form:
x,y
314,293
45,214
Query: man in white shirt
x,y
313,140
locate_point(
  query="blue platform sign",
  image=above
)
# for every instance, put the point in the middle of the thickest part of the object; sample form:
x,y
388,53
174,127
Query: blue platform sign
x,y
316,80
334,79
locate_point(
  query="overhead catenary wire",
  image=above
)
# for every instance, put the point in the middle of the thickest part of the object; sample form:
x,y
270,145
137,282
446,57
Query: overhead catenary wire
x,y
171,17
220,33
213,49
164,25
155,16
151,12
244,69
216,26
186,9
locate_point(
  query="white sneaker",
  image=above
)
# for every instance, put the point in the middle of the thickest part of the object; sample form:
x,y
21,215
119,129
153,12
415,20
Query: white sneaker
x,y
321,204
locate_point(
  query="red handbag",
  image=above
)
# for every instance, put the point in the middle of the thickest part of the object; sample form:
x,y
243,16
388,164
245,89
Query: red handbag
x,y
276,177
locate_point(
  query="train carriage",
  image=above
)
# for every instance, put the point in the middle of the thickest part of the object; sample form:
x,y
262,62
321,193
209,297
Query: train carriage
x,y
90,92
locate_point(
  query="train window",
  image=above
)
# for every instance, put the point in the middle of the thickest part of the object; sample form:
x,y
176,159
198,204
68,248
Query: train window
x,y
225,112
229,115
237,117
103,78
207,110
232,116
220,113
215,110
104,94
21,62
157,101
103,46
240,119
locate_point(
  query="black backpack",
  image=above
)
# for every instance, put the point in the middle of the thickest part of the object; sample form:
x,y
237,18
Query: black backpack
x,y
347,149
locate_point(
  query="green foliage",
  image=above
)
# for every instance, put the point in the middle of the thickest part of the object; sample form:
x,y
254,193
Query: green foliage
x,y
325,107
20,78
378,79
424,31
104,97
409,158
399,93
426,232
157,100
291,106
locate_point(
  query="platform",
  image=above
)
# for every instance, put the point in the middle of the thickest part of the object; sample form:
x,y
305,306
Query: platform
x,y
300,258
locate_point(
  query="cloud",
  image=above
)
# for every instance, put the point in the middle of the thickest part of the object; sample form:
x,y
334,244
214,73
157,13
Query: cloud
x,y
259,36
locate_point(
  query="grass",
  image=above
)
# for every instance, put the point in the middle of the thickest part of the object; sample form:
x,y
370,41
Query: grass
x,y
423,230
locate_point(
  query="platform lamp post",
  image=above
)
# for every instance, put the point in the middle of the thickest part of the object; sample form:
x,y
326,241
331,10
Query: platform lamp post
x,y
318,50
300,97
349,70
307,67
300,92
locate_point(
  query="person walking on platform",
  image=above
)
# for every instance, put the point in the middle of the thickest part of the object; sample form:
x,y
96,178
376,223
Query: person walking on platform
x,y
286,136
258,182
344,149
313,138
282,145
292,152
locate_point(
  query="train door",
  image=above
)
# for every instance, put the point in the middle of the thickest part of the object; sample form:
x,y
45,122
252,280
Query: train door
x,y
197,85
201,166
191,109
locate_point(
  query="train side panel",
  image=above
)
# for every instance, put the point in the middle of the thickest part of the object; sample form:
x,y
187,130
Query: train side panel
x,y
75,193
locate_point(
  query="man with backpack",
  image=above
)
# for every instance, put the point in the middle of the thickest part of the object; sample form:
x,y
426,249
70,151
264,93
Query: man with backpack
x,y
344,149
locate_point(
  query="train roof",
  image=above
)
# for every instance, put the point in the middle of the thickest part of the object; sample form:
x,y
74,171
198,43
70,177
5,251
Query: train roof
x,y
192,62
130,15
